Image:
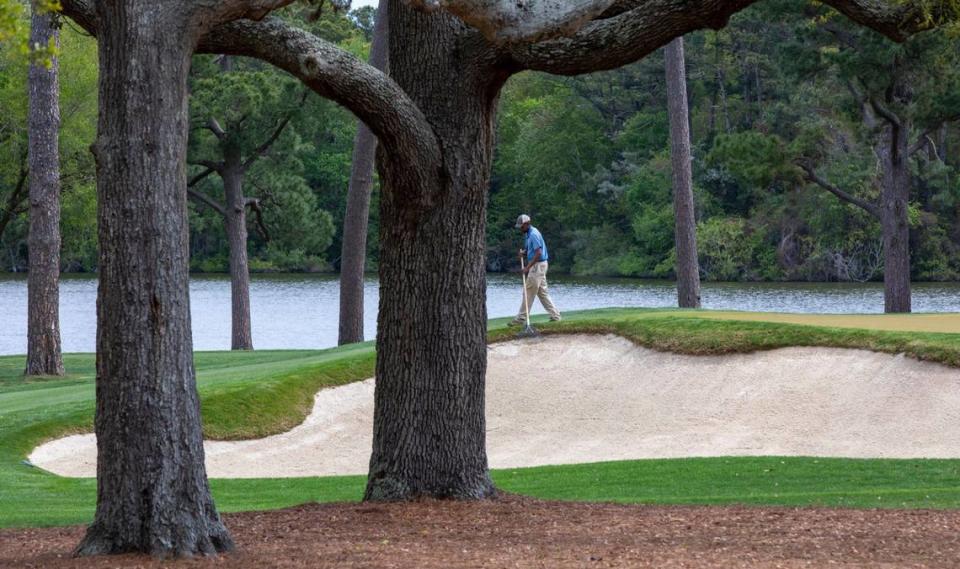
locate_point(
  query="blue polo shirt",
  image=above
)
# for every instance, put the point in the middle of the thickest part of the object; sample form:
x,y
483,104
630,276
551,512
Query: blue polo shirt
x,y
534,242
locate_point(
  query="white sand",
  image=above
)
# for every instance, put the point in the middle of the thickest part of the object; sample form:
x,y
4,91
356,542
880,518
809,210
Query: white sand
x,y
572,399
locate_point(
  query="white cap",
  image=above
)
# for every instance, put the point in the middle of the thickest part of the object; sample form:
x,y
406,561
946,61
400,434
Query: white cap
x,y
524,218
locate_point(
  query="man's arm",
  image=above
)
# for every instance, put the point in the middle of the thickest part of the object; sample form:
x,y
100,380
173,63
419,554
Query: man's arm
x,y
534,260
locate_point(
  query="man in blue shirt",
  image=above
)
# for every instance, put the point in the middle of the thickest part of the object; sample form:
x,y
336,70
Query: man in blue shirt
x,y
536,270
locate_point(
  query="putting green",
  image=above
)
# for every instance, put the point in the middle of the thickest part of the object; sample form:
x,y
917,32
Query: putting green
x,y
948,323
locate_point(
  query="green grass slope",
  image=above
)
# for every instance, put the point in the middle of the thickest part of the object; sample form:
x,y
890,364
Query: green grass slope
x,y
254,394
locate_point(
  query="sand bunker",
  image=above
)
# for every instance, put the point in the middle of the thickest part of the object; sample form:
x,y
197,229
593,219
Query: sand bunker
x,y
573,399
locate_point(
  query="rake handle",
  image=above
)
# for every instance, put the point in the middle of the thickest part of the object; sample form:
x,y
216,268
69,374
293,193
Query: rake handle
x,y
526,305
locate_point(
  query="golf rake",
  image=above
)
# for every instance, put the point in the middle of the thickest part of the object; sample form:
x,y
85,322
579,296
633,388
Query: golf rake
x,y
528,331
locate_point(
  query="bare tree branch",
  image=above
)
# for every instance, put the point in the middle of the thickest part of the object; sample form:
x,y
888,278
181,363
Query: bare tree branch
x,y
811,176
214,127
209,164
207,201
885,112
199,177
256,206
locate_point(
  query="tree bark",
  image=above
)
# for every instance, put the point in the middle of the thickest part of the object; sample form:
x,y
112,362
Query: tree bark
x,y
43,242
353,253
152,490
894,217
685,221
429,425
235,216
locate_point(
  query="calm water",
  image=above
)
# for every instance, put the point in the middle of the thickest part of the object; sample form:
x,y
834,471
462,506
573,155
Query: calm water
x,y
300,311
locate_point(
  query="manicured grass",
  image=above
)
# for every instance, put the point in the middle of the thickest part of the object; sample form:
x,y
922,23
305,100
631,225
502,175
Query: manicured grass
x,y
253,394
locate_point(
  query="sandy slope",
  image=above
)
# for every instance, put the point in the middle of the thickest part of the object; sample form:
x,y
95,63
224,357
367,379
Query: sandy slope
x,y
570,399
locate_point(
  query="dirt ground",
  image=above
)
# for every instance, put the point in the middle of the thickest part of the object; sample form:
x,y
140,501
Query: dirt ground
x,y
523,532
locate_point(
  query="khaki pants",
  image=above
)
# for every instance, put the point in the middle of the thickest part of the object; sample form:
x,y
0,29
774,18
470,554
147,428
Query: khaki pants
x,y
537,288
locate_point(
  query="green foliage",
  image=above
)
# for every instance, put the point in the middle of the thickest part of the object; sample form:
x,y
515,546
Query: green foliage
x,y
301,180
753,158
727,251
78,112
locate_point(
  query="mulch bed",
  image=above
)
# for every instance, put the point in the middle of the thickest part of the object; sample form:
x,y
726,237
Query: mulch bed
x,y
522,532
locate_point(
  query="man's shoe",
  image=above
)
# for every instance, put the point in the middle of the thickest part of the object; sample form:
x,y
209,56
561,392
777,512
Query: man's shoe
x,y
514,323
556,319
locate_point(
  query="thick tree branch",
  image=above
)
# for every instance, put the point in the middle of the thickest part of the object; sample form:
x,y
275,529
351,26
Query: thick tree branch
x,y
610,42
503,21
811,176
207,201
401,128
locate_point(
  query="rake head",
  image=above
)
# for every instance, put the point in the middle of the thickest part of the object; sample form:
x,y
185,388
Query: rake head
x,y
528,332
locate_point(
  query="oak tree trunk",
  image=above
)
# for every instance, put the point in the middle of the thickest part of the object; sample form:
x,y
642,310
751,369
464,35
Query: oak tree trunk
x,y
235,217
685,222
152,490
43,283
354,250
429,425
894,217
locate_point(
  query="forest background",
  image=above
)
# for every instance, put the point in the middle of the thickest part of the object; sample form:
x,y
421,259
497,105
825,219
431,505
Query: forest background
x,y
777,126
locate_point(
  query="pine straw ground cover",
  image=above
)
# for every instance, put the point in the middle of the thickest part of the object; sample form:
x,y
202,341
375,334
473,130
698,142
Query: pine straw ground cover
x,y
254,394
524,532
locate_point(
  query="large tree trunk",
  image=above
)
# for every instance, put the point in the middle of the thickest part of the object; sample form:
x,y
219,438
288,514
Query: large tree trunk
x,y
43,242
152,490
235,214
429,424
353,253
894,218
685,222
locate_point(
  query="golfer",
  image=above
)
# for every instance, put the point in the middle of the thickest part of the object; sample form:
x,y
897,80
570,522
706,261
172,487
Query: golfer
x,y
535,270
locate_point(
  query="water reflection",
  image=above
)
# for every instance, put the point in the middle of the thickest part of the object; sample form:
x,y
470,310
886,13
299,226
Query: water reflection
x,y
300,311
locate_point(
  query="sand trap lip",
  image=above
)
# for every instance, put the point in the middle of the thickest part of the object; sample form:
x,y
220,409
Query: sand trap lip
x,y
578,398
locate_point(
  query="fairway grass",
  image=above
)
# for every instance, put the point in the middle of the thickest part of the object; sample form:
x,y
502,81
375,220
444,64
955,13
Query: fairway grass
x,y
255,394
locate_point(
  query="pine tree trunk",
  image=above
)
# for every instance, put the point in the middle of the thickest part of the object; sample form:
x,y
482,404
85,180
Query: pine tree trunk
x,y
353,255
894,218
152,490
236,226
43,283
685,222
429,423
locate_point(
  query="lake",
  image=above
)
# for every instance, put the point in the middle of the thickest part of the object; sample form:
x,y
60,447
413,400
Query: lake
x,y
300,311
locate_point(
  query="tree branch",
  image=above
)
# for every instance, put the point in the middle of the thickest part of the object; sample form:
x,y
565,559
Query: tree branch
x,y
504,21
207,201
214,127
256,206
209,164
640,27
811,176
196,179
401,127
265,147
884,112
